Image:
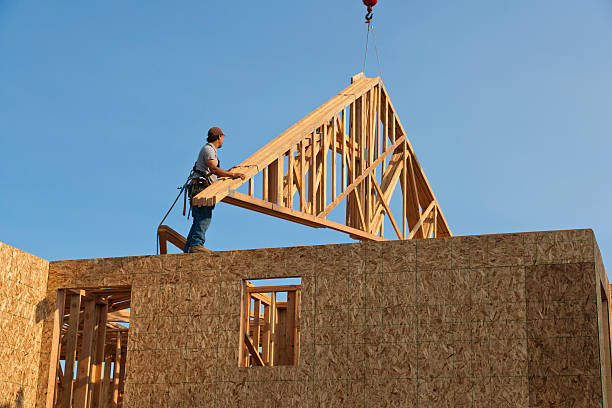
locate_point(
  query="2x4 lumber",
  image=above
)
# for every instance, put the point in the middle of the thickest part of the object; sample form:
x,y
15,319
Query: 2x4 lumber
x,y
386,206
333,142
81,387
312,181
267,154
323,179
302,175
279,180
361,177
121,316
292,324
360,209
122,371
265,338
244,324
361,109
435,231
290,172
421,220
265,299
297,322
264,184
389,182
268,289
404,192
58,318
71,340
413,210
94,348
116,371
165,233
273,320
256,320
106,394
244,315
343,135
255,204
99,356
256,358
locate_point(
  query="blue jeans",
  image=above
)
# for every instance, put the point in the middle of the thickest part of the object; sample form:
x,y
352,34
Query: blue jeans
x,y
201,220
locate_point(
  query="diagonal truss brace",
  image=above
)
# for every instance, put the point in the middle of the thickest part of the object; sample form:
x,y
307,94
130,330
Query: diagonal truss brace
x,y
351,150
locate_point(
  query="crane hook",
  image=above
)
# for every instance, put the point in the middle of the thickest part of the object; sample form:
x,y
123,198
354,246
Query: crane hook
x,y
369,4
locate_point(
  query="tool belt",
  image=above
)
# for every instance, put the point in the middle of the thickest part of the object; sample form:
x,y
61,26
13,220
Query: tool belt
x,y
198,182
197,185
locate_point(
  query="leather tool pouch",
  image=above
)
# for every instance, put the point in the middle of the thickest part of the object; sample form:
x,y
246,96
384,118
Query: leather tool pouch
x,y
197,185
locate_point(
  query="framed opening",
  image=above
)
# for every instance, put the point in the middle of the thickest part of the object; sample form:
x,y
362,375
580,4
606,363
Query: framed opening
x,y
89,348
270,322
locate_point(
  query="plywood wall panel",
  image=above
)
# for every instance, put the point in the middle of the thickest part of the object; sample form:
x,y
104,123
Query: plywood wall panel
x,y
501,320
23,308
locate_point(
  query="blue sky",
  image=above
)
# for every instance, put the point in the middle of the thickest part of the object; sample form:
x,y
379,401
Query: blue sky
x,y
104,106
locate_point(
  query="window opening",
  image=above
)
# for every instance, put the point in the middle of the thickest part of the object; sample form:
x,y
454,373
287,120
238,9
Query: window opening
x,y
270,322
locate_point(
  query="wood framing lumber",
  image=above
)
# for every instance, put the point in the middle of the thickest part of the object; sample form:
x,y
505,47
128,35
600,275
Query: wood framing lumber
x,y
386,206
273,320
244,322
265,336
99,357
58,318
268,289
256,358
120,316
256,321
244,201
70,354
116,371
419,224
361,177
167,234
312,138
105,395
81,386
297,328
264,156
122,368
291,323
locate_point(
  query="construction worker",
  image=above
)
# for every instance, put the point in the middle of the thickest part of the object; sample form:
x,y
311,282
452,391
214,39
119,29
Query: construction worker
x,y
205,172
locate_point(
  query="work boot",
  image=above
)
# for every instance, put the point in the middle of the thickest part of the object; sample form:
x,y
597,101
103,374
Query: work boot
x,y
198,249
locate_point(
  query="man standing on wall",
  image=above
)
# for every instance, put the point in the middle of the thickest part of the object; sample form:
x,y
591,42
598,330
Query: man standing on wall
x,y
205,172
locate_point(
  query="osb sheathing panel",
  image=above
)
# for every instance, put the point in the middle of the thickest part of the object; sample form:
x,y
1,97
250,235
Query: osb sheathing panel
x,y
23,282
498,320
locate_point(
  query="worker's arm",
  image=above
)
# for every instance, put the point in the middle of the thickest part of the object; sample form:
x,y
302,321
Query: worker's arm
x,y
214,169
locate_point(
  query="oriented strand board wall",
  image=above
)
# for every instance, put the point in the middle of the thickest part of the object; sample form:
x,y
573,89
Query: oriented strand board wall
x,y
23,283
499,320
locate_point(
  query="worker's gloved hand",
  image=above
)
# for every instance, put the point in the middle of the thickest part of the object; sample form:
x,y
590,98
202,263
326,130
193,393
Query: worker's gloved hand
x,y
238,175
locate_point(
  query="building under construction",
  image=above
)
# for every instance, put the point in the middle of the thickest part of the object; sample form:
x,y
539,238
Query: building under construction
x,y
425,319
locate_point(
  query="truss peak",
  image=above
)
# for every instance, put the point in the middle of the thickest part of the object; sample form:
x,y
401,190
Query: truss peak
x,y
352,152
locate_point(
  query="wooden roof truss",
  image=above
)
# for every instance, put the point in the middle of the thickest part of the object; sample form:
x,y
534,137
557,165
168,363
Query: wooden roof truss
x,y
353,150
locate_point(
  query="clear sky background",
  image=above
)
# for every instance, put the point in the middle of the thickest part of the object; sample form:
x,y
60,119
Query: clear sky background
x,y
105,105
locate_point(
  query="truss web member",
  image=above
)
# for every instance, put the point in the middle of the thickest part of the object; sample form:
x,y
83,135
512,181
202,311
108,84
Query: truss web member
x,y
205,172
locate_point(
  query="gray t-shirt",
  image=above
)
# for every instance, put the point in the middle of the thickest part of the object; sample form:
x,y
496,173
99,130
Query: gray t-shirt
x,y
208,152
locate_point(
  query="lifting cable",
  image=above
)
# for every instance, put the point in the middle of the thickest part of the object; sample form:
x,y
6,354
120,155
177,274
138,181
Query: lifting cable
x,y
368,20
